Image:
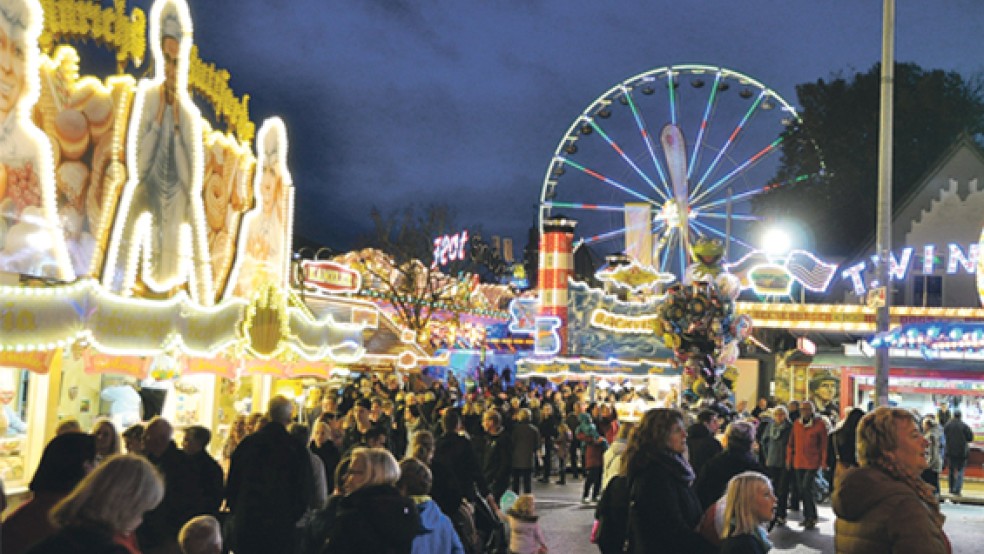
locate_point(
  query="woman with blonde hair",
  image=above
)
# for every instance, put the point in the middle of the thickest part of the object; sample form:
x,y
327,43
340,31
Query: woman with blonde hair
x,y
101,513
237,432
373,516
884,505
749,504
107,439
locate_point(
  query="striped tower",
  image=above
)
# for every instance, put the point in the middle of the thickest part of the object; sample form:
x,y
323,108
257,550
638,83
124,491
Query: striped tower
x,y
556,265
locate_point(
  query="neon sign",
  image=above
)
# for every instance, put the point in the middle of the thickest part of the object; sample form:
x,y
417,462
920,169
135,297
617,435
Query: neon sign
x,y
635,277
899,267
522,312
618,323
331,277
769,276
546,341
450,248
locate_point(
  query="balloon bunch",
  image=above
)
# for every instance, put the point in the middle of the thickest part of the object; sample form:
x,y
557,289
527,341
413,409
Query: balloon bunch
x,y
700,325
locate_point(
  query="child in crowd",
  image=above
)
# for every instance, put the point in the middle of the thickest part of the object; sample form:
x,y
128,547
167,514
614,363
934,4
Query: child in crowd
x,y
594,452
438,534
201,535
525,536
750,504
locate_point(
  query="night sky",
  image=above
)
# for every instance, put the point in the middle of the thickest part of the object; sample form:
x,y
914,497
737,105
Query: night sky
x,y
415,101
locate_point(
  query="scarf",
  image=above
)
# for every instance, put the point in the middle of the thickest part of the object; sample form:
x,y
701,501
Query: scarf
x,y
921,488
677,465
763,538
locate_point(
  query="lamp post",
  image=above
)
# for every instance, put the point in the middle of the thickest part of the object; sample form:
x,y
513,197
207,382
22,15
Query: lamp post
x,y
884,229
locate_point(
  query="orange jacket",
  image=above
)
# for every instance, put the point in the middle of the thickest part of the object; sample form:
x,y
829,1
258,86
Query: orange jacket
x,y
807,447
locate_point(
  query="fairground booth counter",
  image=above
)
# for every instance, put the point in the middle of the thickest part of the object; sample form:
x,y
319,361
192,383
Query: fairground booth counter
x,y
145,260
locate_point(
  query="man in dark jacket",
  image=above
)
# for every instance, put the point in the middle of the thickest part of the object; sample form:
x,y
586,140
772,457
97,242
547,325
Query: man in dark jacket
x,y
269,487
208,472
159,530
738,458
573,420
497,463
958,437
701,443
454,451
549,421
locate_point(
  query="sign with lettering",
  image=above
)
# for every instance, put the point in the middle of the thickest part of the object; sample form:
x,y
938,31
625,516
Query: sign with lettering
x,y
450,248
957,259
330,277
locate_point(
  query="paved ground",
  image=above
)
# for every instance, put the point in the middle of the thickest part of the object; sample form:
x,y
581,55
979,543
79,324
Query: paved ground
x,y
567,525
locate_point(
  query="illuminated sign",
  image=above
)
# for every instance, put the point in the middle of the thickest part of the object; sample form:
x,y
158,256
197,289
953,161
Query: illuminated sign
x,y
957,259
31,235
806,346
523,312
450,248
980,268
618,323
159,235
82,19
330,277
264,242
635,277
546,341
771,276
583,367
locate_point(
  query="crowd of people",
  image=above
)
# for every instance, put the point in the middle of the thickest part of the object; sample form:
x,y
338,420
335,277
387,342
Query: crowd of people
x,y
384,466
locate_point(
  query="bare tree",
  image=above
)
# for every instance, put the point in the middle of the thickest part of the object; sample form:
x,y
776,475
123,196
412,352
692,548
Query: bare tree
x,y
415,286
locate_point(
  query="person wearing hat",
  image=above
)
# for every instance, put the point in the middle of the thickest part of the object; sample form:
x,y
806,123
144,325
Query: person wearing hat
x,y
823,388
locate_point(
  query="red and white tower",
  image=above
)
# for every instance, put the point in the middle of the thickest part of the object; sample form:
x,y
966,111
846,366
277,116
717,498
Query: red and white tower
x,y
556,266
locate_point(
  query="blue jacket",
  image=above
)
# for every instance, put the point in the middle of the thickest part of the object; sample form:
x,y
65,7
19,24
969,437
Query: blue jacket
x,y
439,535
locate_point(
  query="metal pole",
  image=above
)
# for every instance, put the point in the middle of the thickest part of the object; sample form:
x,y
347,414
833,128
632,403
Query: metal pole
x,y
884,232
727,223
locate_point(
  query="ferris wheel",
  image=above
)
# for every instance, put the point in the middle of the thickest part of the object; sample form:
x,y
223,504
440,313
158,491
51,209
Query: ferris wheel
x,y
669,156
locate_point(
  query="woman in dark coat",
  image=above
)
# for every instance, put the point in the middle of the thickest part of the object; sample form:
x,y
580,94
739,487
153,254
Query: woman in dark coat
x,y
66,460
737,458
663,508
373,517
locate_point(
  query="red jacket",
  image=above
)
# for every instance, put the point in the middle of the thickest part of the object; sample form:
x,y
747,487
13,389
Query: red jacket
x,y
594,451
807,447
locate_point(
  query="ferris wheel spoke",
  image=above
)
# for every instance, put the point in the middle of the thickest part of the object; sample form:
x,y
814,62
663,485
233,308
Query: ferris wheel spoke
x,y
580,206
665,246
711,99
722,234
672,91
608,180
647,138
741,167
604,236
621,152
740,197
731,140
736,217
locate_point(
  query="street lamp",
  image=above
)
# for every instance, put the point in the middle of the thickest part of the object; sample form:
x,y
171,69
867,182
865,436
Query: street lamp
x,y
776,242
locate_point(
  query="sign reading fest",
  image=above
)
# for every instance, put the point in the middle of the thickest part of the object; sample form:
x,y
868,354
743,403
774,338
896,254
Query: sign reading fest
x,y
160,223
